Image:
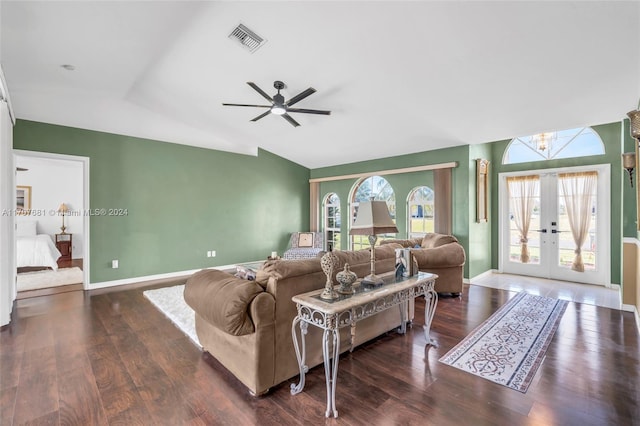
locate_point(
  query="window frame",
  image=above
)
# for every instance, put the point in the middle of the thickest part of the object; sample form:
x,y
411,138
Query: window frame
x,y
360,242
330,241
410,233
571,135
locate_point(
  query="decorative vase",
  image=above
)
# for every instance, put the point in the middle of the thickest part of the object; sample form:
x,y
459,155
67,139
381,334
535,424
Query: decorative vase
x,y
346,278
328,263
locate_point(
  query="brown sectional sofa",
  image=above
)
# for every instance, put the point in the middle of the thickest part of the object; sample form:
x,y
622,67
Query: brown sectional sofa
x,y
246,325
439,254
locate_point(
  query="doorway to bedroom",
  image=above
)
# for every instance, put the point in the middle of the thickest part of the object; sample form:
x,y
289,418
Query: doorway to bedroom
x,y
51,228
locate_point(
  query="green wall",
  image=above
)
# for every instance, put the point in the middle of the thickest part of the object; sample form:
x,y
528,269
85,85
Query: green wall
x,y
404,183
182,201
479,233
629,220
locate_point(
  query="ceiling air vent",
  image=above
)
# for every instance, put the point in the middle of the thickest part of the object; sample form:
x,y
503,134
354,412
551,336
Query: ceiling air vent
x,y
247,38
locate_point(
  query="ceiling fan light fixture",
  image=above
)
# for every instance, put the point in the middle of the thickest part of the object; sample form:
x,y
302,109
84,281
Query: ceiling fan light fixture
x,y
279,106
278,110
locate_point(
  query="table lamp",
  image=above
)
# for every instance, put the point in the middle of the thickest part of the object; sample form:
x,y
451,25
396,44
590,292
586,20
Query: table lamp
x,y
63,209
373,218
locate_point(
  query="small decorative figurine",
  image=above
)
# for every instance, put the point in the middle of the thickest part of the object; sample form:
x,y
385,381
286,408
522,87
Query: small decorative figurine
x,y
346,278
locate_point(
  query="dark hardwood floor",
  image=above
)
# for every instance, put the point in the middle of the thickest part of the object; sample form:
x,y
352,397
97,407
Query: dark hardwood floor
x,y
109,357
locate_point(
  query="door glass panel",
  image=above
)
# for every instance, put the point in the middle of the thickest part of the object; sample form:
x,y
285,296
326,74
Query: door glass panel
x,y
524,219
566,241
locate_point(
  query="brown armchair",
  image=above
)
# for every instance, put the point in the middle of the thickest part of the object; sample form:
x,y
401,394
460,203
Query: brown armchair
x,y
439,254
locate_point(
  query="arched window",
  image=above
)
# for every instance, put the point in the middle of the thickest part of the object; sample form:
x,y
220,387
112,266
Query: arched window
x,y
332,222
420,212
376,188
580,142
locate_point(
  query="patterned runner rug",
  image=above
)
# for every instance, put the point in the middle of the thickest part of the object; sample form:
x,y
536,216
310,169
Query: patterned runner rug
x,y
509,347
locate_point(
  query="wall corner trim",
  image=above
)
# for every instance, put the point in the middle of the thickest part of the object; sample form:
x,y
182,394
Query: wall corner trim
x,y
480,276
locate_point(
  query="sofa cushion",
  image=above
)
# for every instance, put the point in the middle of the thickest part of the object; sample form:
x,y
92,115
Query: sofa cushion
x,y
222,300
412,243
287,268
432,240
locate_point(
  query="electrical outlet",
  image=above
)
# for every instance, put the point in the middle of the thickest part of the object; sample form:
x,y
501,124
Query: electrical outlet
x,y
114,264
213,253
209,253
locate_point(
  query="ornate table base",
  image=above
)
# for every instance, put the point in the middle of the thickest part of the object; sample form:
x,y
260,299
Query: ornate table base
x,y
331,316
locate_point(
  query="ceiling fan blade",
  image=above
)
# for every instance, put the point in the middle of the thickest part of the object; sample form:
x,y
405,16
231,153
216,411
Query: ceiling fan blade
x,y
309,111
293,122
259,90
262,115
247,105
300,96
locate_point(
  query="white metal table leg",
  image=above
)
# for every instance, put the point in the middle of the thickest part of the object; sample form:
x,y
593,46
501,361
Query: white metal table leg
x,y
403,318
431,301
331,368
297,388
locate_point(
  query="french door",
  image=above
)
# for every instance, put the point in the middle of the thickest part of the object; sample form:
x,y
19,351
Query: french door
x,y
554,223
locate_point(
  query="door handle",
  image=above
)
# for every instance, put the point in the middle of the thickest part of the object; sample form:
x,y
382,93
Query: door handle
x,y
544,231
555,231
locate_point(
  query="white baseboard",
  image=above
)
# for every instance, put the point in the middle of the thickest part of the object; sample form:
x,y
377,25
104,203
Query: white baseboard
x,y
482,275
135,280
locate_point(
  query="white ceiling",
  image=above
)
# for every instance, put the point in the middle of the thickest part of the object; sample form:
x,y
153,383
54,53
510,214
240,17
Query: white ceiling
x,y
399,77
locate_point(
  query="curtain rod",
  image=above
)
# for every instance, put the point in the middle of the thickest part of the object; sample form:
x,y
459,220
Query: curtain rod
x,y
449,165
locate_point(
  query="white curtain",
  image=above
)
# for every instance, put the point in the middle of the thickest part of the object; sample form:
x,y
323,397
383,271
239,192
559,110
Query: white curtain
x,y
523,191
577,189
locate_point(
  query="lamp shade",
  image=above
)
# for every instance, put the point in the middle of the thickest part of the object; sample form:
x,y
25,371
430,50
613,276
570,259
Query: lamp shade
x,y
63,208
634,123
373,218
629,160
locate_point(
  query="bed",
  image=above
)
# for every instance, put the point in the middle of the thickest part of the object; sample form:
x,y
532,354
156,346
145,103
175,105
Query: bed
x,y
35,250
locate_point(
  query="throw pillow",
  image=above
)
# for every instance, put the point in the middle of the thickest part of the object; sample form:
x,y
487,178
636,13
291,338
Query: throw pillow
x,y
26,228
305,240
245,273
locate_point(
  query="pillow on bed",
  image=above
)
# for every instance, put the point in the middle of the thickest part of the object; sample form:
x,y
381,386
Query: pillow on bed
x,y
26,228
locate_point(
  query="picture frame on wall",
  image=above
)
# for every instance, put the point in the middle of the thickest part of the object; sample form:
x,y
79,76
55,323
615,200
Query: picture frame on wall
x,y
482,182
23,200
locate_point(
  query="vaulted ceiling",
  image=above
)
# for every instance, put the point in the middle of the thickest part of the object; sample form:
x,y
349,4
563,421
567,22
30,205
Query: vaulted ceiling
x,y
399,77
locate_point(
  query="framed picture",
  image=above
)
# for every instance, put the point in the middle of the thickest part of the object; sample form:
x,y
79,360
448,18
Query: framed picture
x,y
482,180
23,199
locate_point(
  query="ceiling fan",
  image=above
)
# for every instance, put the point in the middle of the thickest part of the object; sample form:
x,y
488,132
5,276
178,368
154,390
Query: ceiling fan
x,y
279,106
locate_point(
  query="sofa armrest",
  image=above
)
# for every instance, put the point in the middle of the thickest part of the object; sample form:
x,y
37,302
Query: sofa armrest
x,y
223,300
262,310
446,256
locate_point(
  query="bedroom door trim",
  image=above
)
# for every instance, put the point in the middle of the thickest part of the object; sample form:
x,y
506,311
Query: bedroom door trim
x,y
86,264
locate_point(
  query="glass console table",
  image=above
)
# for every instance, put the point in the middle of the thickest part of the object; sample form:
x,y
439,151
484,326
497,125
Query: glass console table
x,y
346,311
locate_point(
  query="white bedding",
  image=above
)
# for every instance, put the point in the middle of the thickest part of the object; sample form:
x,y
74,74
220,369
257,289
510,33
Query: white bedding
x,y
37,250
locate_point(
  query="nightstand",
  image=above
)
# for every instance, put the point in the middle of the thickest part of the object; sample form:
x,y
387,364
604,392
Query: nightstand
x,y
64,244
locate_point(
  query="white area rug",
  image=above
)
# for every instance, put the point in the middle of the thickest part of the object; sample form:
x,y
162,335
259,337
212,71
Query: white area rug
x,y
509,347
170,301
45,279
